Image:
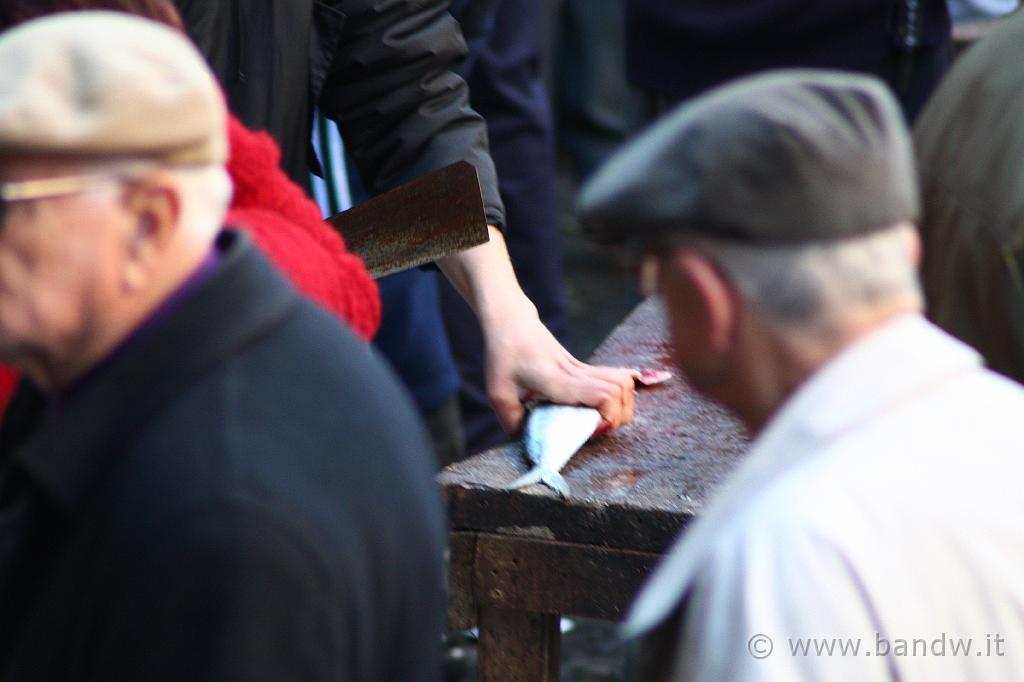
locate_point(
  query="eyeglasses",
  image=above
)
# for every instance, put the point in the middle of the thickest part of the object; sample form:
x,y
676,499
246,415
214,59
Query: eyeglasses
x,y
52,188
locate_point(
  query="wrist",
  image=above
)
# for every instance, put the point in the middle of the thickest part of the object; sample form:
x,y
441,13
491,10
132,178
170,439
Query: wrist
x,y
505,309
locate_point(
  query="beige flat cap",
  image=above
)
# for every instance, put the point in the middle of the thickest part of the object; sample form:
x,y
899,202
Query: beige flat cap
x,y
108,84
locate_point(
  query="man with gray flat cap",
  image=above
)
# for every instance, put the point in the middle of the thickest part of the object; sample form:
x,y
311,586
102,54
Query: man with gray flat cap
x,y
203,476
874,531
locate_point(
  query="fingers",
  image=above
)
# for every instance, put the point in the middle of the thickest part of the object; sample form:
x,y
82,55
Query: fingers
x,y
628,397
608,389
617,407
524,359
507,406
616,375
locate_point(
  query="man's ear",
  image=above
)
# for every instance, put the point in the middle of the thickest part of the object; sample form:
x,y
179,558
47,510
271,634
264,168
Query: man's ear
x,y
155,207
713,298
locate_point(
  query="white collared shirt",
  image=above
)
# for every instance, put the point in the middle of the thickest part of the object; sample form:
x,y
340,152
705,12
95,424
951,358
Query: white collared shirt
x,y
879,516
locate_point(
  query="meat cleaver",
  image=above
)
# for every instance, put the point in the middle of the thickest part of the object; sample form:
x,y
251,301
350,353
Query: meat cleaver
x,y
429,218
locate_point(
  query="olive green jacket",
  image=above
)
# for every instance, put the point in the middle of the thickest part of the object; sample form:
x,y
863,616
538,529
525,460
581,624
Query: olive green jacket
x,y
970,147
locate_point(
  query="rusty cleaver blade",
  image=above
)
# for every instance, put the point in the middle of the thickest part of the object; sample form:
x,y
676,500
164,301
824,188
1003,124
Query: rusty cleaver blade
x,y
429,218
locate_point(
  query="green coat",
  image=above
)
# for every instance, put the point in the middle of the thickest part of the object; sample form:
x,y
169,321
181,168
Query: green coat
x,y
970,147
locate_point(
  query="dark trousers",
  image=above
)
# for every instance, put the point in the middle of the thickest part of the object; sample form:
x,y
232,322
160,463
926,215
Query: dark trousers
x,y
506,87
594,99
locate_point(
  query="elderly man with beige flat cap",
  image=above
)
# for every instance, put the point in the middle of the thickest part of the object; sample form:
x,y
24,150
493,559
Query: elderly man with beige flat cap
x,y
175,503
875,530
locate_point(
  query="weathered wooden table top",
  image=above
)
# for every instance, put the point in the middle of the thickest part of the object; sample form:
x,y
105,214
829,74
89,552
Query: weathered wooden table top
x,y
633,488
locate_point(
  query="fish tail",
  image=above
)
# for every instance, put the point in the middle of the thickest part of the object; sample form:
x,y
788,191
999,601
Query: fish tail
x,y
534,475
552,479
555,480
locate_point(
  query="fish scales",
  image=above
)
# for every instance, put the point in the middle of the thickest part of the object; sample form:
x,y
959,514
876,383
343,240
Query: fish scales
x,y
554,433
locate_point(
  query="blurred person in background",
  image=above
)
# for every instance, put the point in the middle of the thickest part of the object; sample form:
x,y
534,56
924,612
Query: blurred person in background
x,y
593,100
441,360
970,142
385,73
177,499
504,74
879,508
411,338
676,50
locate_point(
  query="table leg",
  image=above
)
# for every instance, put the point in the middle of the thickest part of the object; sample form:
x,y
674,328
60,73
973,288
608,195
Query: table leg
x,y
516,646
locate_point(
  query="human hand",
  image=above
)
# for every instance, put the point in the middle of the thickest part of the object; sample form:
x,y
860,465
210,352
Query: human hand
x,y
524,360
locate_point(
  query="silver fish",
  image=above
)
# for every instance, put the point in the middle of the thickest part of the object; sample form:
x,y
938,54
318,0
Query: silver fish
x,y
554,433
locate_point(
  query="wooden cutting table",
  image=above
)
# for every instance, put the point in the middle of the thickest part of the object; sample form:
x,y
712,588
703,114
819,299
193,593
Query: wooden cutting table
x,y
521,559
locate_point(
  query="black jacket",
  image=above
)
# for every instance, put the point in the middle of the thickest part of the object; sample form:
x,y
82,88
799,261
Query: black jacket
x,y
678,49
243,494
381,68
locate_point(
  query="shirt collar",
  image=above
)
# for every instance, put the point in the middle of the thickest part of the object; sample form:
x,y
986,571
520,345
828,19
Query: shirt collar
x,y
887,366
890,365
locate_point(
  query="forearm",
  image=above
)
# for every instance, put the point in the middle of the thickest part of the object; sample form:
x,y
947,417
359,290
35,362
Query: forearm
x,y
485,278
522,357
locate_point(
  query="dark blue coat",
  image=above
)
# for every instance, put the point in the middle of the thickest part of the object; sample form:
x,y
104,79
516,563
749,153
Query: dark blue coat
x,y
678,48
242,494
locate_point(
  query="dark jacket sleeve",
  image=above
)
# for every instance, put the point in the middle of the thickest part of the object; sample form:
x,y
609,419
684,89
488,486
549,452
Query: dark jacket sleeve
x,y
229,597
401,108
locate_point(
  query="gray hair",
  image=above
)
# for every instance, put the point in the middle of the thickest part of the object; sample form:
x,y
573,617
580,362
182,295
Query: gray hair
x,y
810,287
206,190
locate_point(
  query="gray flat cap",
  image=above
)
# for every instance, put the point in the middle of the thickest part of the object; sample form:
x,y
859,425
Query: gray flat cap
x,y
787,157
